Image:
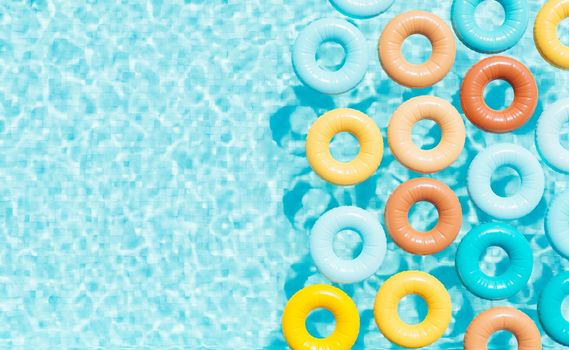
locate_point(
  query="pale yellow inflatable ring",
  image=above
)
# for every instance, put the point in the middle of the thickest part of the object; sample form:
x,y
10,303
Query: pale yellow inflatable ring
x,y
545,33
412,335
318,146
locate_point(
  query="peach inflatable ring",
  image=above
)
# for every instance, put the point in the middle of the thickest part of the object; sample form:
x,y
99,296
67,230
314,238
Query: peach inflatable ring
x,y
417,75
399,134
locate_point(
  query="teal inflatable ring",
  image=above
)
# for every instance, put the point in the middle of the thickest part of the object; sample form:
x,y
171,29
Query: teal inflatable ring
x,y
549,308
490,41
476,242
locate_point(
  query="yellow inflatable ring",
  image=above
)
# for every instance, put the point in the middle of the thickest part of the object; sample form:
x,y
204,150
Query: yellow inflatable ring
x,y
320,296
356,123
412,335
545,33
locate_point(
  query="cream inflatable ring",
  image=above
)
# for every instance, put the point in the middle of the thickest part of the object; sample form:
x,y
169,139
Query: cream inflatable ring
x,y
322,237
546,36
344,120
399,134
417,75
362,8
549,127
334,30
480,178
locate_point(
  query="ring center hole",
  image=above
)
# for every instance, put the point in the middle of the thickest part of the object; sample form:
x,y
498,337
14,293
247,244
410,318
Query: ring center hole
x,y
344,147
565,308
331,56
348,244
423,216
412,309
417,49
494,261
490,15
502,340
563,31
564,136
320,323
505,181
426,134
498,94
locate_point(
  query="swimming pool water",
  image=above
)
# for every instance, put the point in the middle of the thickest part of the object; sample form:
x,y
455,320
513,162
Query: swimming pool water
x,y
154,189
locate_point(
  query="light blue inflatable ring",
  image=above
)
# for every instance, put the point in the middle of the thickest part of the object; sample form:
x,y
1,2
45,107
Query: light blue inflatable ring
x,y
557,224
490,41
549,308
547,135
362,8
476,242
330,30
480,174
322,239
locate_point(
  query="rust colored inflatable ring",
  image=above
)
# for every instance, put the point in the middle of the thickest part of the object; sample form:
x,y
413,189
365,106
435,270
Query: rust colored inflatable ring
x,y
417,75
502,318
397,216
495,68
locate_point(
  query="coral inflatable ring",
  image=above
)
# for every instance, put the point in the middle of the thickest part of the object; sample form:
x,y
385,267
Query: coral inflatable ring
x,y
496,68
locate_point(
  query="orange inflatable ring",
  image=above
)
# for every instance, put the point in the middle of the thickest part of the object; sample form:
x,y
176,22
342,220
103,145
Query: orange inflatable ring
x,y
417,75
502,318
397,216
472,94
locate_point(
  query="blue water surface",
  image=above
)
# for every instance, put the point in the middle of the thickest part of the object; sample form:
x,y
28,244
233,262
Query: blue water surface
x,y
155,192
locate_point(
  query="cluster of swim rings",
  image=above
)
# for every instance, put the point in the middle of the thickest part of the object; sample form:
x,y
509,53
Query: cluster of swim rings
x,y
430,161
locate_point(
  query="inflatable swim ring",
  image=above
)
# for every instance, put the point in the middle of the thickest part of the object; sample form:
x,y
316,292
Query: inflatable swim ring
x,y
399,134
362,8
417,75
322,240
480,174
502,318
412,335
476,242
547,135
318,78
320,296
490,41
549,308
495,68
397,216
545,33
318,146
557,224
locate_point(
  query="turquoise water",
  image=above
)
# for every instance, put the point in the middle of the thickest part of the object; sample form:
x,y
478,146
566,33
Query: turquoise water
x,y
155,193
